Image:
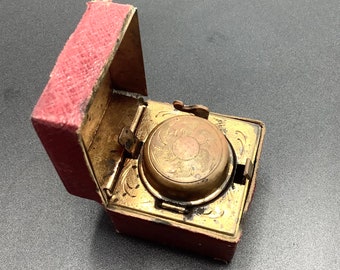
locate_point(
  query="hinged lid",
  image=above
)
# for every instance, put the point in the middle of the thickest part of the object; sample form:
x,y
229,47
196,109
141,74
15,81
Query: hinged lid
x,y
104,52
187,160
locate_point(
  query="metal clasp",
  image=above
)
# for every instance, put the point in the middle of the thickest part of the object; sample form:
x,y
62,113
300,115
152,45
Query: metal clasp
x,y
130,142
198,110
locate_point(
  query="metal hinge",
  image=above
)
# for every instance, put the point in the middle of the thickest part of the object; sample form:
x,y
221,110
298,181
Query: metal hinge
x,y
131,144
248,169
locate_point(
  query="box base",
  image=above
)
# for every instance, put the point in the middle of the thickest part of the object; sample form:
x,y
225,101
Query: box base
x,y
175,237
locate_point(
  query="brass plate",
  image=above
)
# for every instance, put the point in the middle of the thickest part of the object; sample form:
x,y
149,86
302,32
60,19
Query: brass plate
x,y
220,218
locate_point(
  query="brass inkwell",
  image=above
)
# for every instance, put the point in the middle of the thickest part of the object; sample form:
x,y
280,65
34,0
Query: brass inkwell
x,y
172,173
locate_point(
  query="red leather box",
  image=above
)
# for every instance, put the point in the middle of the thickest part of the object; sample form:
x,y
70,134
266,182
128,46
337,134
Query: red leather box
x,y
93,97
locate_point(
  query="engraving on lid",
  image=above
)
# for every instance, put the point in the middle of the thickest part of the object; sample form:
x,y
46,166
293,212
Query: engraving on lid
x,y
186,149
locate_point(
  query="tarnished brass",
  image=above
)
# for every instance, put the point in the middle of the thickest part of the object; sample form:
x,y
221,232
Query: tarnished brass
x,y
186,159
219,218
128,190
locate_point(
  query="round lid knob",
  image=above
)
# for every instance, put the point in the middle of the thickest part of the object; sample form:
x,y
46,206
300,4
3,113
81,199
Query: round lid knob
x,y
186,159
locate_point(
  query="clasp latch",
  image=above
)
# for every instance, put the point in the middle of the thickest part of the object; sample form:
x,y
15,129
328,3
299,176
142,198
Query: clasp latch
x,y
130,142
198,110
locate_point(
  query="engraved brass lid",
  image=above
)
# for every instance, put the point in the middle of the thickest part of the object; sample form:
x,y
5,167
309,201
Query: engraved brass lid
x,y
186,159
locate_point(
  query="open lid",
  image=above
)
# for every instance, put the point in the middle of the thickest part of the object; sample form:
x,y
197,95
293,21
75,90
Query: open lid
x,y
104,52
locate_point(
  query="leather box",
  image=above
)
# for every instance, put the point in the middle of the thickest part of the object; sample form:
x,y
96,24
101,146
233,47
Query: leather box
x,y
175,174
